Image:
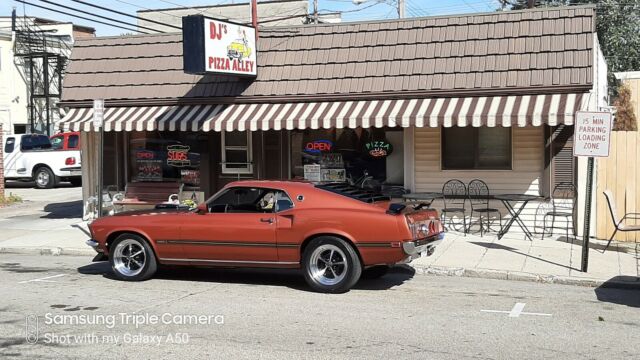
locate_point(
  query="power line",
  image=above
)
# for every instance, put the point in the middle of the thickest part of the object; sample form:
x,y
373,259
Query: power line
x,y
125,14
98,16
79,17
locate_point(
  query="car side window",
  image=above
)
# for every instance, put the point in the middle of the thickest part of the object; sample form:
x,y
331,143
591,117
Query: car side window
x,y
73,141
9,145
283,201
57,142
250,200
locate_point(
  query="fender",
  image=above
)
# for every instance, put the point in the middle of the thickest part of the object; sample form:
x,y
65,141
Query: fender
x,y
142,233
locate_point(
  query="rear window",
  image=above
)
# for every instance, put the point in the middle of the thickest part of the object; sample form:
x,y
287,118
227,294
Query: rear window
x,y
73,141
35,142
353,192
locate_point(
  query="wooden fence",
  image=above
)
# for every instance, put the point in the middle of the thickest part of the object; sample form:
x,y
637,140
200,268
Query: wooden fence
x,y
620,173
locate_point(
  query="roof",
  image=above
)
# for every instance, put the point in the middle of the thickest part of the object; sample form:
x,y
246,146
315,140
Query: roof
x,y
538,50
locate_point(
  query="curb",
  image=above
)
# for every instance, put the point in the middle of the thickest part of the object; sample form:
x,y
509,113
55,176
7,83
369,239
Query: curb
x,y
52,251
523,276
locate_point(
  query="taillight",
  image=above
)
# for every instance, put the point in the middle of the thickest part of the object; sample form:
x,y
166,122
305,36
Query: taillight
x,y
70,161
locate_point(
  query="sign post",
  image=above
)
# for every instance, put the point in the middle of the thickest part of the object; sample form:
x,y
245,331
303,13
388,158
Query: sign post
x,y
592,139
98,122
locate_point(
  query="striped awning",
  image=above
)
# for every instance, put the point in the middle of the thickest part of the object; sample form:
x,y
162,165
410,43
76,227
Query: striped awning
x,y
526,110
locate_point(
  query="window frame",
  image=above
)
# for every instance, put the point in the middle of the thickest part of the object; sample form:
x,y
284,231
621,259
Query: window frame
x,y
248,169
476,153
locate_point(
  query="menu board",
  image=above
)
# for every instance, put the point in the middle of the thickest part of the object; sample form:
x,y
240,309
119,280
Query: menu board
x,y
312,173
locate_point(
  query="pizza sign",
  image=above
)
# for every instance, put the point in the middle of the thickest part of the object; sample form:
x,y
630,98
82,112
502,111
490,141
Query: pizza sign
x,y
379,149
216,46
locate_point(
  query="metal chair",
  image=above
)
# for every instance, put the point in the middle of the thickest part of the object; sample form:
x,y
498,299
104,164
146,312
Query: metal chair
x,y
562,207
619,223
479,198
454,193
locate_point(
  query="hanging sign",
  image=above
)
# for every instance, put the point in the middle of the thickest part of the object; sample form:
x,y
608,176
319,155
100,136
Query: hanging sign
x,y
318,146
378,149
216,46
178,155
592,134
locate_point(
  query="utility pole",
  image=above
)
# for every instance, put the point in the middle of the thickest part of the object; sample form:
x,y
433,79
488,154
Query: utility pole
x,y
254,15
315,11
401,9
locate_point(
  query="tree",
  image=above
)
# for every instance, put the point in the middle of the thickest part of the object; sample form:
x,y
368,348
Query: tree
x,y
625,116
618,27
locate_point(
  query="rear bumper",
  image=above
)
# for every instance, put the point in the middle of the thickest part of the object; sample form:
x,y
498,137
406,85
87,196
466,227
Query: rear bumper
x,y
70,171
419,246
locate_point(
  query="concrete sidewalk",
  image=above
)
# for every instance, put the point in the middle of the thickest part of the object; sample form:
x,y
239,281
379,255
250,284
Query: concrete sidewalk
x,y
552,260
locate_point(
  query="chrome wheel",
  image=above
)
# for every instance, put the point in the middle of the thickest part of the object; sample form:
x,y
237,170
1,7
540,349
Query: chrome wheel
x,y
129,257
43,178
328,264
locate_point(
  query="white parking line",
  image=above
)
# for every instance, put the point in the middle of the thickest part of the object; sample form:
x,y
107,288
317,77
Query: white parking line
x,y
516,311
44,279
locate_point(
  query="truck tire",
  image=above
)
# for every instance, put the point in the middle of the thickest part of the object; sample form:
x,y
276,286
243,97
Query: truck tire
x,y
331,265
44,178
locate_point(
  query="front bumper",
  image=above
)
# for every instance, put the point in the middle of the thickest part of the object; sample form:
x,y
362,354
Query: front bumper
x,y
415,249
94,244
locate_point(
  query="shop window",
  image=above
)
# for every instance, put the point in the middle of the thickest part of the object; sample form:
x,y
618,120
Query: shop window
x,y
164,156
236,152
470,148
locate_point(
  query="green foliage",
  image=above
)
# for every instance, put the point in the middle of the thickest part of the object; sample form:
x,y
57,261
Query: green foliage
x,y
625,116
8,200
618,27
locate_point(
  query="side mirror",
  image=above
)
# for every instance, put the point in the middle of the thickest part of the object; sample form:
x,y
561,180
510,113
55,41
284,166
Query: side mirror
x,y
202,208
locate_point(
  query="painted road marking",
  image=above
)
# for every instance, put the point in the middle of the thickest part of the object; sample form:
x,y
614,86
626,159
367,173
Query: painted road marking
x,y
516,311
44,279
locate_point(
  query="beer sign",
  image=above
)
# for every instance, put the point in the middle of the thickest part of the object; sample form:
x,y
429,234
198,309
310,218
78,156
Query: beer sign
x,y
216,46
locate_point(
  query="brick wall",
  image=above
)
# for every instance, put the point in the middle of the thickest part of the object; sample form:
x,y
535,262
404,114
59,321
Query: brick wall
x,y
1,164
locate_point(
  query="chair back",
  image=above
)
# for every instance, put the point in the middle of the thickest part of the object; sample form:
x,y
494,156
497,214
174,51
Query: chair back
x,y
564,197
612,207
454,193
478,193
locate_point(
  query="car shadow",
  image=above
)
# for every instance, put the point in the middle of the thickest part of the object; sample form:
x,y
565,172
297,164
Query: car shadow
x,y
253,276
12,184
613,291
63,210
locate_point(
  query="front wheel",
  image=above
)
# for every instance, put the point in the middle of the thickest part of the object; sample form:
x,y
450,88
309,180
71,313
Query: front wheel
x,y
331,265
131,258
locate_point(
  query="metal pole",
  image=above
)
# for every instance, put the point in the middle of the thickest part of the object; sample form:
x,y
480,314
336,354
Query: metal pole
x,y
401,9
587,217
315,11
100,170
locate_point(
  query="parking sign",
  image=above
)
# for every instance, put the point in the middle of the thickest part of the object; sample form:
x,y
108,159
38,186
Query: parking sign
x,y
592,134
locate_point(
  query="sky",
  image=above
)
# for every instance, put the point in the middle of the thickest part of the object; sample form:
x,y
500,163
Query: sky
x,y
370,10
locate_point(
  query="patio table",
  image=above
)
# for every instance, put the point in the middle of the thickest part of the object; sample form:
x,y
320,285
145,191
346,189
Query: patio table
x,y
508,200
424,199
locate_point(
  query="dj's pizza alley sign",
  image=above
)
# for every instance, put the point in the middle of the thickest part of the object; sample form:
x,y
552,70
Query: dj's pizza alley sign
x,y
216,46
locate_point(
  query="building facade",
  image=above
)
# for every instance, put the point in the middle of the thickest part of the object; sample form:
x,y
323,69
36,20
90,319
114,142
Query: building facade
x,y
413,102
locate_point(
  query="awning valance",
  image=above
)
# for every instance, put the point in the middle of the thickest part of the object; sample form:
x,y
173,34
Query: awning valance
x,y
516,110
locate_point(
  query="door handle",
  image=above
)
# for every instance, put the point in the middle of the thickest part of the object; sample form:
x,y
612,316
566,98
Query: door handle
x,y
267,220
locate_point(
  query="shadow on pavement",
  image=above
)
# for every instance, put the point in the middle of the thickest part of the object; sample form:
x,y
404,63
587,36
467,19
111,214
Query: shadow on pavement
x,y
611,291
275,277
515,251
64,210
30,185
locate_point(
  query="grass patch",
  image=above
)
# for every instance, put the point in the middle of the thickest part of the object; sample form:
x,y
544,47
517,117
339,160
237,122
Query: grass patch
x,y
9,200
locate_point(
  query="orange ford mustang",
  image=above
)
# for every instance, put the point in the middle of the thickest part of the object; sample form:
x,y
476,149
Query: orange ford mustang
x,y
333,232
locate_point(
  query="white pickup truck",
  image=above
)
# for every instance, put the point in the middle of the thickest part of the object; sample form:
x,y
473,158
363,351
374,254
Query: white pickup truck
x,y
29,157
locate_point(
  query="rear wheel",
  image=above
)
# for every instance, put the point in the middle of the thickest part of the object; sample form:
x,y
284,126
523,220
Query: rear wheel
x,y
331,265
44,177
131,258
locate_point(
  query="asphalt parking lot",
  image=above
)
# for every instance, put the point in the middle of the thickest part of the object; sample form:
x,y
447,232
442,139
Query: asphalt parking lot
x,y
82,312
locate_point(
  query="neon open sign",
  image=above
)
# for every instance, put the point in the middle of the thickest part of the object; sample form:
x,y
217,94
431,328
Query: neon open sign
x,y
318,146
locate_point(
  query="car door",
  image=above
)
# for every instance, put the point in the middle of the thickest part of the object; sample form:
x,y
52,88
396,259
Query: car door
x,y
237,228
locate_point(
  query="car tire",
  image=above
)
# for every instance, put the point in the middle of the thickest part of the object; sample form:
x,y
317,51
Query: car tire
x,y
132,258
375,272
76,182
44,178
331,265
